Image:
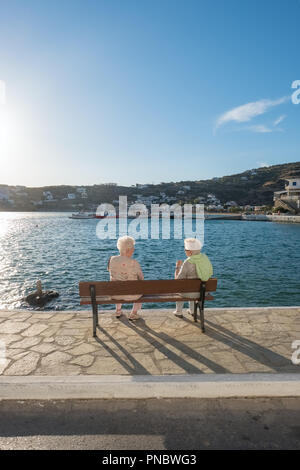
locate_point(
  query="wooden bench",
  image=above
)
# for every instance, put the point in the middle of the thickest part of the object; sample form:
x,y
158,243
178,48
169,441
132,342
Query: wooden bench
x,y
101,293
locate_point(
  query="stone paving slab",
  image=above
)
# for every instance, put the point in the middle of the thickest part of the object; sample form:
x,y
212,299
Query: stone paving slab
x,y
236,341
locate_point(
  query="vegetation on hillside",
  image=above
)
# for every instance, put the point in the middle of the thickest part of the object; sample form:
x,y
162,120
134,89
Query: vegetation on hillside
x,y
252,187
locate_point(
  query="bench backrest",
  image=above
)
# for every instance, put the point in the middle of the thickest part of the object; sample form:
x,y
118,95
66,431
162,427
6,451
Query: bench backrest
x,y
156,287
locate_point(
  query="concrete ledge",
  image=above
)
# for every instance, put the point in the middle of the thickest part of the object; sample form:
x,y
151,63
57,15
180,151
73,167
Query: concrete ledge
x,y
143,386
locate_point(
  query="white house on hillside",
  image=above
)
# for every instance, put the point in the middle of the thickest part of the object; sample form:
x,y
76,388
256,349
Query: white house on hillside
x,y
48,195
82,192
289,198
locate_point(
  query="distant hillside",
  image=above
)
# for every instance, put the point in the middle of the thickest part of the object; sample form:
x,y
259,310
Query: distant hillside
x,y
253,187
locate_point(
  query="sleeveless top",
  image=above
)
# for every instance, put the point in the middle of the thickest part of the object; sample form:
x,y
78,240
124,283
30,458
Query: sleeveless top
x,y
122,268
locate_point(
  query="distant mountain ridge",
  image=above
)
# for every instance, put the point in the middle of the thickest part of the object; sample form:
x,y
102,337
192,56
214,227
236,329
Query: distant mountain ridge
x,y
251,187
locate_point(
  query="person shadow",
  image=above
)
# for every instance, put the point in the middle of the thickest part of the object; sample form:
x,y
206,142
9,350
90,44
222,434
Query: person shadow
x,y
247,347
130,364
166,344
161,340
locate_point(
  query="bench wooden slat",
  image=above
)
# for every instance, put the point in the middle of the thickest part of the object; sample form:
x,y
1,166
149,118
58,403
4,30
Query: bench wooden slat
x,y
99,292
152,287
101,300
142,300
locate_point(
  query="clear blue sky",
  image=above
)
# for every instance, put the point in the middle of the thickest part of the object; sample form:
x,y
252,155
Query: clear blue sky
x,y
144,91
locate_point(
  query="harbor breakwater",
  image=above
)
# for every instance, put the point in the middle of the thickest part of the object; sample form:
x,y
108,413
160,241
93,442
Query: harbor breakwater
x,y
294,219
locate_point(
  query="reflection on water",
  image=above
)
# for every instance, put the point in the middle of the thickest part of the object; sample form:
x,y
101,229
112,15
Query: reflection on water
x,y
257,263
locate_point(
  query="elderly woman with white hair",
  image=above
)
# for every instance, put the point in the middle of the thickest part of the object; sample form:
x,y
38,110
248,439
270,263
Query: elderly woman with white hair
x,y
124,268
196,266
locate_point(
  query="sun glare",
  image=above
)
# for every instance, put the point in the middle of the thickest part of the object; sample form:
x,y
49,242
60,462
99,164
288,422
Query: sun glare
x,y
7,128
13,139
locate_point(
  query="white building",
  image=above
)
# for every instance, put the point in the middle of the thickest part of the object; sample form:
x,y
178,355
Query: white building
x,y
289,198
171,198
82,192
48,195
231,204
214,207
71,196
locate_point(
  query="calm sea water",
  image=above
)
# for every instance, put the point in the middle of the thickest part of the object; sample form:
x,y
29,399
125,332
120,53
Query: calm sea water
x,y
256,263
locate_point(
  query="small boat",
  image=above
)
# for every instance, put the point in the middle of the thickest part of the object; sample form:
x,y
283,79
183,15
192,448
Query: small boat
x,y
106,216
83,215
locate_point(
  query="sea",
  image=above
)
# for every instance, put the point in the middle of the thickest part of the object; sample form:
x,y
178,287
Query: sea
x,y
256,263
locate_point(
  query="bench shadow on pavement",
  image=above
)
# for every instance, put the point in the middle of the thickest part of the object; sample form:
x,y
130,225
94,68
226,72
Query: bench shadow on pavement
x,y
253,350
160,341
148,334
134,367
250,348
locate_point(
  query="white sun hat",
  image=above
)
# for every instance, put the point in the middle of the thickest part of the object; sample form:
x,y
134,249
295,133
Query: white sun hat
x,y
192,244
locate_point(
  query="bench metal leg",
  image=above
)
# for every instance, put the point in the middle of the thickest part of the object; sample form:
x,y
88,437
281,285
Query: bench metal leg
x,y
95,310
201,306
195,310
202,319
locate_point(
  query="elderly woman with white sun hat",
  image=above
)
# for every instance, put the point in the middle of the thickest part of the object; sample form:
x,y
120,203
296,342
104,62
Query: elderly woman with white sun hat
x,y
196,266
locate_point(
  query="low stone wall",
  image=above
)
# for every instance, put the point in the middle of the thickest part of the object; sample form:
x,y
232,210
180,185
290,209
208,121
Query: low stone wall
x,y
294,219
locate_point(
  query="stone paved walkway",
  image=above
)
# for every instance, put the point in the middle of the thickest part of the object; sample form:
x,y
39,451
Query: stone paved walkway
x,y
236,341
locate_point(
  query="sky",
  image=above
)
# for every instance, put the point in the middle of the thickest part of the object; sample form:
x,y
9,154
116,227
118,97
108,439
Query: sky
x,y
146,91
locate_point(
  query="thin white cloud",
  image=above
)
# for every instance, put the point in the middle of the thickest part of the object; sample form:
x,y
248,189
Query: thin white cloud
x,y
261,128
248,111
279,120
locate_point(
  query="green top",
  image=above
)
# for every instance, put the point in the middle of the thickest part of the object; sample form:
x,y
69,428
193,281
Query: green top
x,y
203,266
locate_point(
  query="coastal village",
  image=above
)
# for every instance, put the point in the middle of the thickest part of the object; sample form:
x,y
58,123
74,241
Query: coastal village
x,y
168,323
267,190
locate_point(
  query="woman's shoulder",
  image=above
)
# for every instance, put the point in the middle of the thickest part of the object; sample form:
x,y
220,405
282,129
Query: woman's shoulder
x,y
114,259
186,266
135,263
186,262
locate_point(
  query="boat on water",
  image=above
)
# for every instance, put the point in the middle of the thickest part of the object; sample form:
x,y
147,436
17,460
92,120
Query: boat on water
x,y
86,215
83,215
